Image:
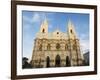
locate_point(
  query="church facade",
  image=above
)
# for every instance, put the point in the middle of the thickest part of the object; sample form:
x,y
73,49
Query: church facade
x,y
56,49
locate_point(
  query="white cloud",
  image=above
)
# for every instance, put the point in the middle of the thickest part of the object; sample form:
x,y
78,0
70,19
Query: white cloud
x,y
25,18
36,17
26,27
84,42
83,36
84,45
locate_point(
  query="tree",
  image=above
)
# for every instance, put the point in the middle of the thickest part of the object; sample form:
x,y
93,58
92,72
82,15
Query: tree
x,y
25,63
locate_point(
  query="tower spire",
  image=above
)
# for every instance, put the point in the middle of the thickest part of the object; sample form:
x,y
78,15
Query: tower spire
x,y
44,25
71,30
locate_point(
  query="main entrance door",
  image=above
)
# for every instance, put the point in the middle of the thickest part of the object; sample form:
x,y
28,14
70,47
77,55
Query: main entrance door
x,y
67,61
48,62
57,61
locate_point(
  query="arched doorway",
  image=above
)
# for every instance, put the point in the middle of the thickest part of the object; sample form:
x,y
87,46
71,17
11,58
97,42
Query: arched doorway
x,y
57,61
48,62
67,61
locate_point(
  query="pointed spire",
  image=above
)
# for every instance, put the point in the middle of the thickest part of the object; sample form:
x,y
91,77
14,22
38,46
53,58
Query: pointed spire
x,y
44,25
71,30
70,24
45,19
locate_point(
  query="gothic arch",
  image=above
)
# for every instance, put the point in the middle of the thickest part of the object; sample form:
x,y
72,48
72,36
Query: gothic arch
x,y
67,61
48,61
57,61
43,30
71,31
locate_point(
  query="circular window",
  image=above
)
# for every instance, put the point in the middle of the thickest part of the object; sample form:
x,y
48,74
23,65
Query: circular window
x,y
57,32
57,46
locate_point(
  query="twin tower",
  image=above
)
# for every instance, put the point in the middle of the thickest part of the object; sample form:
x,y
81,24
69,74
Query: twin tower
x,y
56,49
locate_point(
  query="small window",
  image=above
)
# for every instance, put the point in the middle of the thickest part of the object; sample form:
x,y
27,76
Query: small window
x,y
71,31
43,30
57,32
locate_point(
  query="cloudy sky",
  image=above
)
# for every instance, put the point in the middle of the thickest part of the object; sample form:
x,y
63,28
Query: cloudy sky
x,y
33,19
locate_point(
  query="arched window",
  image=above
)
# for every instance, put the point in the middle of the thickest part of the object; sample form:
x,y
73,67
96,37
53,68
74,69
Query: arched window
x,y
43,30
57,61
57,46
71,31
48,47
47,61
40,47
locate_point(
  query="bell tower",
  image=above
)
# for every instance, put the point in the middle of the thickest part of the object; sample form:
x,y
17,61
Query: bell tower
x,y
44,27
75,53
71,30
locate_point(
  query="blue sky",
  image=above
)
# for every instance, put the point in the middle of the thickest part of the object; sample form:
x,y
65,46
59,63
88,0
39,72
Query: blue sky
x,y
33,19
